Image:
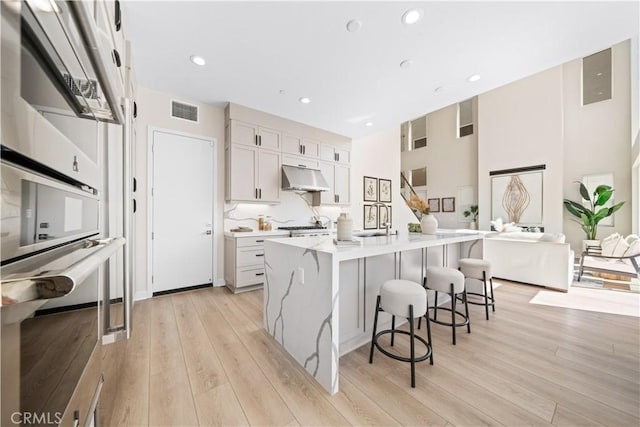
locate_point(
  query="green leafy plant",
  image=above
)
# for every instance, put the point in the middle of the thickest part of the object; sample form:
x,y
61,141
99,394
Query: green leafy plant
x,y
471,212
589,217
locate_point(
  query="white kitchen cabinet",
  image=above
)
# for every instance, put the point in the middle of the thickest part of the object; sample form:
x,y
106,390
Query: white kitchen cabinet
x,y
305,147
339,179
335,154
111,37
342,184
299,161
254,135
253,174
244,261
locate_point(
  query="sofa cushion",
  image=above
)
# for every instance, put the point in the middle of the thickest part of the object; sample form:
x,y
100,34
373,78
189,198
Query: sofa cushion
x,y
634,245
614,245
552,237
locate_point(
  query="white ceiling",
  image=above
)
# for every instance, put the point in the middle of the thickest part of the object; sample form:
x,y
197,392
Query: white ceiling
x,y
254,50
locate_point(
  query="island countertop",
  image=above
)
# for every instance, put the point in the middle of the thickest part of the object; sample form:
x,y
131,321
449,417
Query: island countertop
x,y
378,245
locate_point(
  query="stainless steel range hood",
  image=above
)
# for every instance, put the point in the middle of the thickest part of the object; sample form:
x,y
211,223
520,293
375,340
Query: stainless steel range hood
x,y
295,178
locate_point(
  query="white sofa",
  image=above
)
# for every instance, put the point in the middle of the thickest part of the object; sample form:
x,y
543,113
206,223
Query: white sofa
x,y
533,258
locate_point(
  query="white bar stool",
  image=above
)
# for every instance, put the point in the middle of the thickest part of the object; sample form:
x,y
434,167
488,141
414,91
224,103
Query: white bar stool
x,y
409,300
479,269
451,282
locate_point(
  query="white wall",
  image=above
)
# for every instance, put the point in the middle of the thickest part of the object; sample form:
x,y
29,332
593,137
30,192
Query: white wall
x,y
597,140
451,162
154,111
520,125
378,156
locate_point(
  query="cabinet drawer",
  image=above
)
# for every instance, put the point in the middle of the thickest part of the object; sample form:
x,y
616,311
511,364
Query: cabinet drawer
x,y
249,276
249,256
250,241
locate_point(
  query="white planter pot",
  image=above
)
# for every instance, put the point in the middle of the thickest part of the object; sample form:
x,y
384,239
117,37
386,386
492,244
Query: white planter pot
x,y
429,224
473,225
586,243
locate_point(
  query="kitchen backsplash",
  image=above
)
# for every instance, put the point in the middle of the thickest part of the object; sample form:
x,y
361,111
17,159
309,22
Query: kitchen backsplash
x,y
294,209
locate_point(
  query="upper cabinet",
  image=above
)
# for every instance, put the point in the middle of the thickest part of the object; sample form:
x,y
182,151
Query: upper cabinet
x,y
300,146
333,153
250,134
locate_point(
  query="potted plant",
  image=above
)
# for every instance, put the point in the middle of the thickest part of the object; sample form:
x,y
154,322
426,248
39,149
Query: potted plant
x,y
589,217
473,213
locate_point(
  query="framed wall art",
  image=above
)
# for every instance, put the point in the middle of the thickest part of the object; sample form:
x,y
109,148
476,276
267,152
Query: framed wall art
x,y
370,189
370,217
516,195
448,204
384,216
434,205
384,190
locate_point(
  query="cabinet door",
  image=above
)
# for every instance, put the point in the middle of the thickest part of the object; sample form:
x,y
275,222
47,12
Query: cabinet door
x,y
310,148
342,184
243,173
327,152
299,161
291,144
270,139
343,156
328,171
243,133
268,182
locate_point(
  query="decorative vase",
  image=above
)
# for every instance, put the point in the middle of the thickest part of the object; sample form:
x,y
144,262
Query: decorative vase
x,y
473,225
345,227
429,224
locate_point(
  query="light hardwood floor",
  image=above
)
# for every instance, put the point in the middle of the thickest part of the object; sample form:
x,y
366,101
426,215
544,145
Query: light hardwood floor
x,y
202,357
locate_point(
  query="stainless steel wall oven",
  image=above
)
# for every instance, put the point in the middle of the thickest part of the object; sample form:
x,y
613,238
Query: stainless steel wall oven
x,y
57,73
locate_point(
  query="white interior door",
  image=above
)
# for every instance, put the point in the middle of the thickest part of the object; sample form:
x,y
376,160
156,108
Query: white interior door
x,y
182,192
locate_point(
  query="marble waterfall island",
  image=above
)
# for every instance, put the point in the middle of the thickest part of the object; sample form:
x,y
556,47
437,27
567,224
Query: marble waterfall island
x,y
319,299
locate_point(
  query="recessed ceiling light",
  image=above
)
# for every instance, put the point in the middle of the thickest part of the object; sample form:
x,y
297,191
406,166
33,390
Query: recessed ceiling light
x,y
354,25
369,124
474,78
304,100
411,16
198,60
406,63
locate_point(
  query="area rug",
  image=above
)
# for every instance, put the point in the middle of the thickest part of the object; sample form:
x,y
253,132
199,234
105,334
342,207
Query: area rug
x,y
623,303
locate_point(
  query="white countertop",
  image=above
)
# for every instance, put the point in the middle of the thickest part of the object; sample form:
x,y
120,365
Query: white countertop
x,y
256,233
379,245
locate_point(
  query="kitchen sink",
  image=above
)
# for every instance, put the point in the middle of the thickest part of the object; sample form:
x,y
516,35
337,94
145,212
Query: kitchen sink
x,y
369,233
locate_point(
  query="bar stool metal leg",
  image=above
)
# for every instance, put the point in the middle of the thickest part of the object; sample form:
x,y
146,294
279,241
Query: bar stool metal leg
x,y
393,329
375,327
428,322
466,310
413,349
493,306
453,313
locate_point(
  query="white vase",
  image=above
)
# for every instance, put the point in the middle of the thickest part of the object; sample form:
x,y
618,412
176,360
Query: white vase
x,y
429,224
590,243
345,227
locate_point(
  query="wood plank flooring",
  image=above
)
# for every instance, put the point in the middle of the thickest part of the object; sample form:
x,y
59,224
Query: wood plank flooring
x,y
202,358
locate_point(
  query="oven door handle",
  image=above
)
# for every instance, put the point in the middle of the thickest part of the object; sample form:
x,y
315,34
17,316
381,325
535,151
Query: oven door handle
x,y
54,284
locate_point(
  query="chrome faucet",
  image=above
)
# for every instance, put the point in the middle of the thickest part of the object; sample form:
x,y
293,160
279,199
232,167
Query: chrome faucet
x,y
386,223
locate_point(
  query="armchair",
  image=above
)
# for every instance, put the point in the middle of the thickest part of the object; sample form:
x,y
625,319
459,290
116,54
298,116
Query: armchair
x,y
593,260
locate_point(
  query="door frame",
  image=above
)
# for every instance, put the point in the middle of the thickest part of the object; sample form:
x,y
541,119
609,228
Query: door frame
x,y
150,169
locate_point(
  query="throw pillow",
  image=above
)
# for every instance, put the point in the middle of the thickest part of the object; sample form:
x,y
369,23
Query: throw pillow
x,y
614,245
634,245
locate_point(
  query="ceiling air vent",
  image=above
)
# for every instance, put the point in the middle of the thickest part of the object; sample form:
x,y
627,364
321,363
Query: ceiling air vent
x,y
180,110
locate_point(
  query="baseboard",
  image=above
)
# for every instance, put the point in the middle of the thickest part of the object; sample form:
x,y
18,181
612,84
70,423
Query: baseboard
x,y
140,295
218,283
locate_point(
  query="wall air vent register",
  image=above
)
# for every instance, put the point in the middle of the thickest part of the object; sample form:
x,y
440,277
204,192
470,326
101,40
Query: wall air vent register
x,y
180,110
